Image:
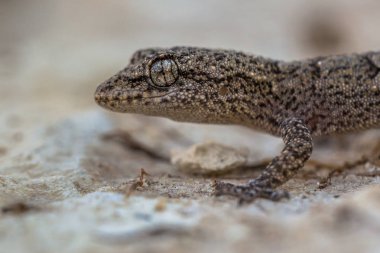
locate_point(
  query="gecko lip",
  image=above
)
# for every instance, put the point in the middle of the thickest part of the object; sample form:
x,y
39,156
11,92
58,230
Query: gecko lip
x,y
129,100
130,95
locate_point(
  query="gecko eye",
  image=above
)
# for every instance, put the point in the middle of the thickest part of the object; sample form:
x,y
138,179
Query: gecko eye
x,y
163,72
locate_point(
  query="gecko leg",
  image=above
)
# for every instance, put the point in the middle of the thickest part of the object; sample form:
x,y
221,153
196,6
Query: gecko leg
x,y
297,150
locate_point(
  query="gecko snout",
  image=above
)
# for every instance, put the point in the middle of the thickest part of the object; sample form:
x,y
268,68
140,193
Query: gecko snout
x,y
100,94
103,93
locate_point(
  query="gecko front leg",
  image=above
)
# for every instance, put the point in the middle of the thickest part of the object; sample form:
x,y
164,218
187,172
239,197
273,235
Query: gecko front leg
x,y
297,150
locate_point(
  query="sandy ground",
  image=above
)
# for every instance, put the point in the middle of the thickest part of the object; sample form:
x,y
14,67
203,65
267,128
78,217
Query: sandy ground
x,y
69,171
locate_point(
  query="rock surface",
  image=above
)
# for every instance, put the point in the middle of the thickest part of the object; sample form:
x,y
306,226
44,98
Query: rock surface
x,y
70,172
209,158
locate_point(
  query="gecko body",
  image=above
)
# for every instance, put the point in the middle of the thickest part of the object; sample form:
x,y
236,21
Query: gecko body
x,y
294,100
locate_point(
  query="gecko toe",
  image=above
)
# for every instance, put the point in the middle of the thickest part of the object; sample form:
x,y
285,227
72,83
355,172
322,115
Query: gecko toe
x,y
248,193
264,193
221,188
279,195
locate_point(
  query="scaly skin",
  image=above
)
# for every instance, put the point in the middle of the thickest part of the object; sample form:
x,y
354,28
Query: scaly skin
x,y
295,100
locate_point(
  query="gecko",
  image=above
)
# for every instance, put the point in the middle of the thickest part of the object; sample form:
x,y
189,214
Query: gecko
x,y
294,100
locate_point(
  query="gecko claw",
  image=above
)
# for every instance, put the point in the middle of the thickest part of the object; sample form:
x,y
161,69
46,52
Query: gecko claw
x,y
248,193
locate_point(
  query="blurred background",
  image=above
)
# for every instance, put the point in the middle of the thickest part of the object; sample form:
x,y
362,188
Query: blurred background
x,y
63,187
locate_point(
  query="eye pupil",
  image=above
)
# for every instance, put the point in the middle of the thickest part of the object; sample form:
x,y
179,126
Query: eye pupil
x,y
164,72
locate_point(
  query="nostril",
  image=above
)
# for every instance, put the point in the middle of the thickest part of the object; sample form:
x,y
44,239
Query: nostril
x,y
97,96
100,93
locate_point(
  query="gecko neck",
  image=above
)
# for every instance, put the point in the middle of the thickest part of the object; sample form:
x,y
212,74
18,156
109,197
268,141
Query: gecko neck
x,y
241,91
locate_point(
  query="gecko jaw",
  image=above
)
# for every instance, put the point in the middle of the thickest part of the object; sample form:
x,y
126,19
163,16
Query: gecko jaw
x,y
133,101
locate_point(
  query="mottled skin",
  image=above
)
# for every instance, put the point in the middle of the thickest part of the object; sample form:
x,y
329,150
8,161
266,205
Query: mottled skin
x,y
295,100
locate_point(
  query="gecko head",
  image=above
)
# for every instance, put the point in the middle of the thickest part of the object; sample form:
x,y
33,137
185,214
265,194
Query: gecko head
x,y
177,83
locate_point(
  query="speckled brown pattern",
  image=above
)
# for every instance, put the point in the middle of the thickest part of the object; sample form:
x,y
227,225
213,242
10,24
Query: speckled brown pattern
x,y
294,100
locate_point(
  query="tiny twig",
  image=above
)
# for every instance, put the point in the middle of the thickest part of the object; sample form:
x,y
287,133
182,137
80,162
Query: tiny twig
x,y
138,183
324,182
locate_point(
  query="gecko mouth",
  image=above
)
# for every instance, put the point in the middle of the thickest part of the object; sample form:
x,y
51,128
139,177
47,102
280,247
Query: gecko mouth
x,y
101,96
132,100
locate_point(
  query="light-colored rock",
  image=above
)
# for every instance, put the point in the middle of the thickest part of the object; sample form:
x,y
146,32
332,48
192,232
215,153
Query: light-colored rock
x,y
208,158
